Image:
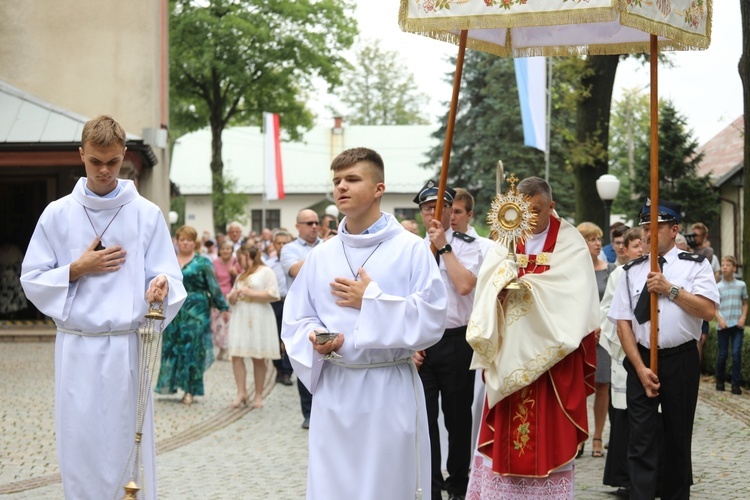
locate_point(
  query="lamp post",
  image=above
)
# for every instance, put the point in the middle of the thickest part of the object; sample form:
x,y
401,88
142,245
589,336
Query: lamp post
x,y
173,216
332,210
607,186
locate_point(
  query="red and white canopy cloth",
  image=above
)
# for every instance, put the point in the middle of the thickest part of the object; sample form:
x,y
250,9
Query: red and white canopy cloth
x,y
523,28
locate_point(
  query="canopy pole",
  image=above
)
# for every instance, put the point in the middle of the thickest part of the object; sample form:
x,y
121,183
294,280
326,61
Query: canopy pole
x,y
548,121
449,129
654,178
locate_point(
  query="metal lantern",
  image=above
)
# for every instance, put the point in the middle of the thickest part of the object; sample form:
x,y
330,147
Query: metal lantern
x,y
149,341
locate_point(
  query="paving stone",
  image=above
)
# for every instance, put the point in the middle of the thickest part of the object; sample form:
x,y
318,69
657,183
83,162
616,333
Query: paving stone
x,y
210,451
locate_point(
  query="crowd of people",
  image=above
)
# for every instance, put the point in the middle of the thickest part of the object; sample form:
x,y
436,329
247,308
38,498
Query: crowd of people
x,y
387,333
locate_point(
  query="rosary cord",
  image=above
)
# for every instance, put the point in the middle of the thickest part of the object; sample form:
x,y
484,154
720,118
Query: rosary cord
x,y
356,276
99,236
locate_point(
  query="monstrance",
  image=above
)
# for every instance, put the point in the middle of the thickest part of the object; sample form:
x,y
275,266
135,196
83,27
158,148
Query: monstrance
x,y
511,219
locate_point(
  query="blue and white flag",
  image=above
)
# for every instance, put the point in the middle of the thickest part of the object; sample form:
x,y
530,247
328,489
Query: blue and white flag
x,y
531,77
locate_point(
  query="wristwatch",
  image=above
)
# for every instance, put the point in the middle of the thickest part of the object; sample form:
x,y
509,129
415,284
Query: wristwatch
x,y
673,292
446,249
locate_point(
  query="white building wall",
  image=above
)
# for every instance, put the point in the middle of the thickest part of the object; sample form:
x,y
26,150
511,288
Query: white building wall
x,y
91,57
198,212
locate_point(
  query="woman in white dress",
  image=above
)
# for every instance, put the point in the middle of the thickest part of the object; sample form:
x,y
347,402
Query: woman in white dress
x,y
252,327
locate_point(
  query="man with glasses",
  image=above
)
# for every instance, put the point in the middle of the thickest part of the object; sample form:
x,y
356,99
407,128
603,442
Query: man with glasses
x,y
445,369
292,258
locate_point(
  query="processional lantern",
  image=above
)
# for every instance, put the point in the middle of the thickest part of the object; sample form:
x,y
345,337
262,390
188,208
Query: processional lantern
x,y
149,341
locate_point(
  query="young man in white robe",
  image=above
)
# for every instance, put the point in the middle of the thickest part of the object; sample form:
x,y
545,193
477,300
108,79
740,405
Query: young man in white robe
x,y
377,286
97,258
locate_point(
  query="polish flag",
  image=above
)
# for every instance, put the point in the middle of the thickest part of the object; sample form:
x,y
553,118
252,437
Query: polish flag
x,y
273,172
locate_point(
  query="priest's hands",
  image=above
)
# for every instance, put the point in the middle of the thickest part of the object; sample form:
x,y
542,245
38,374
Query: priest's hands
x,y
92,261
158,289
351,291
328,347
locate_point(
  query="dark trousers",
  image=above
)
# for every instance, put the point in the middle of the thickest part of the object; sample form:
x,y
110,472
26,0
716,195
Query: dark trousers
x,y
305,399
732,335
679,376
616,464
283,365
445,374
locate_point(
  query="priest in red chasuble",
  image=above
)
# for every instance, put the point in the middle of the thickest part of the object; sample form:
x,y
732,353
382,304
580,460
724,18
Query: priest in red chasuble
x,y
533,330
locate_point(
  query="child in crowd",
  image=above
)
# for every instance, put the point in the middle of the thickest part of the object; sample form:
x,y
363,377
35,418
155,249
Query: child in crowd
x,y
731,317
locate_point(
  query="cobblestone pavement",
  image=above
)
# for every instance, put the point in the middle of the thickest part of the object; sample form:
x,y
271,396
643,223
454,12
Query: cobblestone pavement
x,y
211,451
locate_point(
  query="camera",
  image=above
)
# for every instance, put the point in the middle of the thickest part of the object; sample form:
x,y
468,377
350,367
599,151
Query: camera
x,y
690,239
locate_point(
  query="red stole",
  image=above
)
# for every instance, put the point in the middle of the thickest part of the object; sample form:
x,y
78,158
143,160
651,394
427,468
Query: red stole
x,y
537,429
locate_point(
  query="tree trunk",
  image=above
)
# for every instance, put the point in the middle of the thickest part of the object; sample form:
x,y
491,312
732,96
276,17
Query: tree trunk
x,y
744,69
217,177
592,132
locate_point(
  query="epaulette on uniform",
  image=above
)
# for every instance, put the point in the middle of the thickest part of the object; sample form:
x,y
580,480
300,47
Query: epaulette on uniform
x,y
635,262
465,237
695,257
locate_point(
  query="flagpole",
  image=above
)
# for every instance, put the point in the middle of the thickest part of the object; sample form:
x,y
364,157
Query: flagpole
x,y
549,118
263,133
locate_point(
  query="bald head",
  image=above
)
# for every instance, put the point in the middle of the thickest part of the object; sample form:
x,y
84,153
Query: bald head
x,y
307,225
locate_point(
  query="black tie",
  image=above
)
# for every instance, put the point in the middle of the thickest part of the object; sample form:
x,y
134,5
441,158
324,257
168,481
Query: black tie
x,y
642,311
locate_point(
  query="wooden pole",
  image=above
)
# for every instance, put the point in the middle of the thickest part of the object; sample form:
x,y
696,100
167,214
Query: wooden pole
x,y
449,129
654,226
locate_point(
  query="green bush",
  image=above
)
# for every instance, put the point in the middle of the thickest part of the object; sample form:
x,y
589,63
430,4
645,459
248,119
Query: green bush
x,y
711,354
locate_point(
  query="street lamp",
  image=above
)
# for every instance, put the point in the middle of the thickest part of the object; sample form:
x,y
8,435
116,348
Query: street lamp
x,y
332,210
172,218
607,186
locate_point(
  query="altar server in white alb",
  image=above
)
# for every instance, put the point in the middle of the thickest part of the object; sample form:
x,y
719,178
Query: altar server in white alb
x,y
377,286
96,259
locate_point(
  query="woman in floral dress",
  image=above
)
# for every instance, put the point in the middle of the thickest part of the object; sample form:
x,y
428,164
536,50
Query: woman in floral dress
x,y
183,354
252,329
226,269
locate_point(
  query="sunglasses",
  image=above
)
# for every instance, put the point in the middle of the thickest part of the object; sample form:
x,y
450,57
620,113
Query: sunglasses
x,y
311,223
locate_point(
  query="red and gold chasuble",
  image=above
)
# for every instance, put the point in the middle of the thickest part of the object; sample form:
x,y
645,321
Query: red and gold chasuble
x,y
538,428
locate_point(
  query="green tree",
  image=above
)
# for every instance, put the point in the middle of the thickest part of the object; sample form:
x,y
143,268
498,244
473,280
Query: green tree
x,y
679,180
380,90
588,151
488,128
629,124
230,60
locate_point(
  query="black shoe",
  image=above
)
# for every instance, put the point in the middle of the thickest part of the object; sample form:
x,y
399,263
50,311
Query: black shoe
x,y
285,379
623,491
719,386
306,423
736,389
